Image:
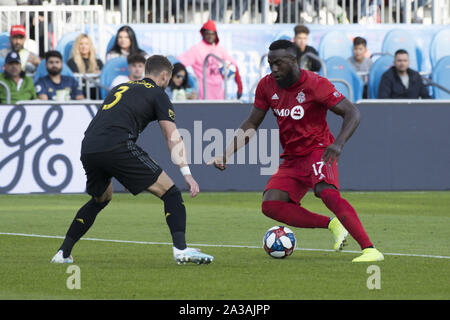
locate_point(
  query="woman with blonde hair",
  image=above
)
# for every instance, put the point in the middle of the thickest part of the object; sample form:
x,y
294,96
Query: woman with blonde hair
x,y
83,58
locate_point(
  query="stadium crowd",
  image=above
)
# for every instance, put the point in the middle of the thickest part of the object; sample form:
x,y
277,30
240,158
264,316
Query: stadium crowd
x,y
55,77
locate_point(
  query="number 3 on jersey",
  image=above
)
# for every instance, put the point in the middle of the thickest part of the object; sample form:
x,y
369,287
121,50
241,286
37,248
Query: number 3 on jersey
x,y
118,95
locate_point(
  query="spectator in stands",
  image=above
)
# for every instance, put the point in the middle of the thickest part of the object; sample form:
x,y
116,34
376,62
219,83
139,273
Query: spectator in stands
x,y
17,38
125,44
178,88
55,86
20,86
360,62
195,58
287,10
414,4
160,10
83,58
301,40
136,70
371,10
219,7
401,82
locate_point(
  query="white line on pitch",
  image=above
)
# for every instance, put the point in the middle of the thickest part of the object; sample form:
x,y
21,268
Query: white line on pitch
x,y
215,245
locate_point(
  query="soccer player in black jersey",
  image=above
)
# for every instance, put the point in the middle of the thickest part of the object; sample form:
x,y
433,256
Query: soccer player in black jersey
x,y
109,150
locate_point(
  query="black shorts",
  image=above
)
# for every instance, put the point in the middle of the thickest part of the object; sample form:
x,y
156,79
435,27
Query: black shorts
x,y
128,163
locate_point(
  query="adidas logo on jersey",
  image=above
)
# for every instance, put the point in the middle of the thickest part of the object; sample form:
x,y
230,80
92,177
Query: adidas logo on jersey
x,y
275,97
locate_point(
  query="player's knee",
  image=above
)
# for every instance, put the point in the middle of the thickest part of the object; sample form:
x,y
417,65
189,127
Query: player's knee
x,y
276,195
103,199
276,210
269,208
322,186
331,197
106,196
101,202
172,196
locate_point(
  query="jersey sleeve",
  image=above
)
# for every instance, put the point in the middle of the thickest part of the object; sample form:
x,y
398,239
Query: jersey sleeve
x,y
163,108
261,101
327,94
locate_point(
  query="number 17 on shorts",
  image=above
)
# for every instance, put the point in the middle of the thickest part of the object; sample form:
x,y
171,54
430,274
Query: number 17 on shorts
x,y
325,172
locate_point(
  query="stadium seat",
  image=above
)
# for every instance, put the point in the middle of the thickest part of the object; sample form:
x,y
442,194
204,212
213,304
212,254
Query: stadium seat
x,y
283,35
440,46
111,69
441,76
402,39
340,68
110,44
172,59
65,44
41,71
4,40
335,44
380,66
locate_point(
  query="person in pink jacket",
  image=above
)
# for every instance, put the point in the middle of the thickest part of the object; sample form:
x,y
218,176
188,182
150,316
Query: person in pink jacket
x,y
195,57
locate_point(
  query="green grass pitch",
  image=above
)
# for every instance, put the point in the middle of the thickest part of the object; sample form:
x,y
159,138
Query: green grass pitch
x,y
411,228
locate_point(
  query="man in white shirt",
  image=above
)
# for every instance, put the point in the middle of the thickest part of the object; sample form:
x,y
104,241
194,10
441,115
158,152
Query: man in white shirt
x,y
136,68
360,62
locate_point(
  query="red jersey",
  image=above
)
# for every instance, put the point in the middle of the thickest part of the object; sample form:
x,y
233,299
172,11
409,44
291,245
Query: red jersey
x,y
300,110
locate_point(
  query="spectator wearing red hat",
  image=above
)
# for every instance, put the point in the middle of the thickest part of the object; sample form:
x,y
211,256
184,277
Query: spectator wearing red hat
x,y
17,38
195,58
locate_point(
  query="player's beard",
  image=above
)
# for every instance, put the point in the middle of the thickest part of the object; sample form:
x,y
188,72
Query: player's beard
x,y
287,81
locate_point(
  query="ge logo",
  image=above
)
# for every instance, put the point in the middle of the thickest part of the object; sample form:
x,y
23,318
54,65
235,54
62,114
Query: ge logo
x,y
297,112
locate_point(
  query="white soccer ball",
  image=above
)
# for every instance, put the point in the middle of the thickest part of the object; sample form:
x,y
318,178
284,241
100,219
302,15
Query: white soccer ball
x,y
279,242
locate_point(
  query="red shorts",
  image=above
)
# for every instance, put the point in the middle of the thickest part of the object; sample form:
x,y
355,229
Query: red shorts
x,y
296,175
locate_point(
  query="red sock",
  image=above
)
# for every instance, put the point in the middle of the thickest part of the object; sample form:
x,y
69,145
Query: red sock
x,y
294,215
346,215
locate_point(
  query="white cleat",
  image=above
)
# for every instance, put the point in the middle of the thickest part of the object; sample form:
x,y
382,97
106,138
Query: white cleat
x,y
191,255
58,258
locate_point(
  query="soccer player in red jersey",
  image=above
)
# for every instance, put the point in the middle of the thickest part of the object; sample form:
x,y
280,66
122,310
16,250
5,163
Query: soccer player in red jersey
x,y
300,99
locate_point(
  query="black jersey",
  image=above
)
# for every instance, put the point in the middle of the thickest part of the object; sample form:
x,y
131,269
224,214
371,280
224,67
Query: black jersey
x,y
126,111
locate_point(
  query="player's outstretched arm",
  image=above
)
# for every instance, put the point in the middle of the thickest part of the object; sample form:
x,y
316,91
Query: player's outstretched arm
x,y
351,116
241,137
178,153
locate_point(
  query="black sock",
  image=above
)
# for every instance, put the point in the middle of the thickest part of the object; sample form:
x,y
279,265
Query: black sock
x,y
175,216
80,225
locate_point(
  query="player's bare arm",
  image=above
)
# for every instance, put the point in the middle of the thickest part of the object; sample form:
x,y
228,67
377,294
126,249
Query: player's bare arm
x,y
177,151
351,117
241,137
